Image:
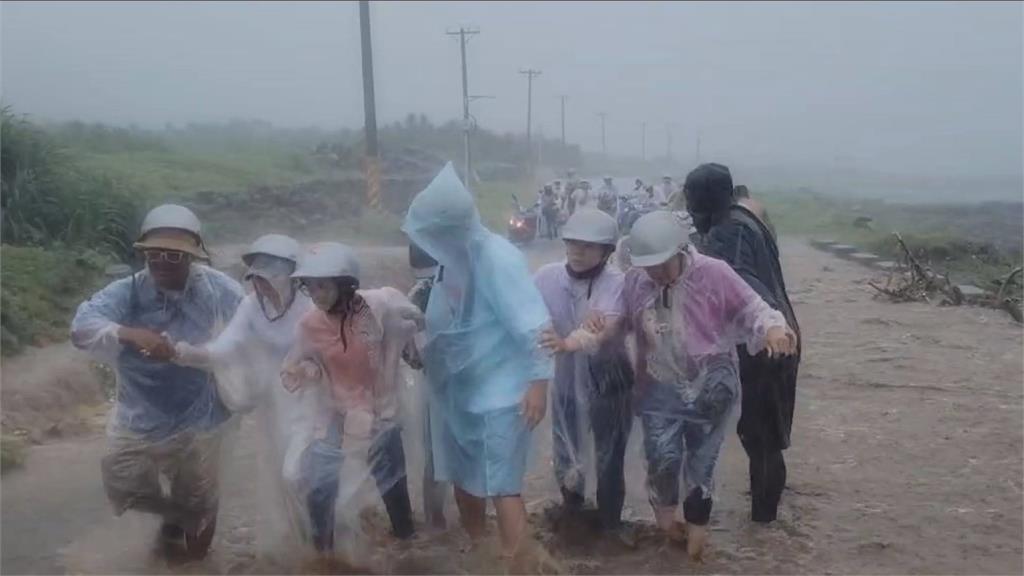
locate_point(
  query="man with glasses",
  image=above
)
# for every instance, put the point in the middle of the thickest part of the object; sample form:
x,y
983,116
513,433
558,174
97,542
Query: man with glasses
x,y
167,418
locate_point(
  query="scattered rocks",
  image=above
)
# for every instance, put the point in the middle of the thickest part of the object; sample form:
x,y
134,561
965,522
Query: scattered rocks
x,y
971,292
864,257
842,249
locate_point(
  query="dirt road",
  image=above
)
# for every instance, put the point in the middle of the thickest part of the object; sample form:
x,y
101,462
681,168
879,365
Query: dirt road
x,y
906,458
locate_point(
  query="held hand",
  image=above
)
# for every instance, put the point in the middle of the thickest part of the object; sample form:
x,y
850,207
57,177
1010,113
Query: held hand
x,y
148,343
553,344
595,323
186,354
295,376
780,342
290,380
535,403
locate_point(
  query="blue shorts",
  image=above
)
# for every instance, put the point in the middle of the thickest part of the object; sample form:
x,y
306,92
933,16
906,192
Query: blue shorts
x,y
483,454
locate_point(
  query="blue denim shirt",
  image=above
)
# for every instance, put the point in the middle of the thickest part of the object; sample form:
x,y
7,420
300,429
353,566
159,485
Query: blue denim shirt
x,y
157,399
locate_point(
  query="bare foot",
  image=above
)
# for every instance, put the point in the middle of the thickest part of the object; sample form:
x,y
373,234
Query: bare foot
x,y
533,558
697,536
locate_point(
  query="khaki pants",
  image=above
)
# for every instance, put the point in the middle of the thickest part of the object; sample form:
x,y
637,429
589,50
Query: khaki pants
x,y
190,463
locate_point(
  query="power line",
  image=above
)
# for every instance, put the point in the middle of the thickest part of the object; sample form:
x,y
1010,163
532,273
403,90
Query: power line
x,y
604,147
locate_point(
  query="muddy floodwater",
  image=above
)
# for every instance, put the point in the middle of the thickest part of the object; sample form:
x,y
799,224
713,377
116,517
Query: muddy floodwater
x,y
906,458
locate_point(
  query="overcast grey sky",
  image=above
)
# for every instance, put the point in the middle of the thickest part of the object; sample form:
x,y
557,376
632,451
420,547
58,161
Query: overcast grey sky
x,y
896,87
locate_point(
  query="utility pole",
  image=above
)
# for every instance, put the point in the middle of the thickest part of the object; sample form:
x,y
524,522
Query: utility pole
x,y
643,143
540,145
529,73
668,142
604,147
562,98
698,147
466,124
372,165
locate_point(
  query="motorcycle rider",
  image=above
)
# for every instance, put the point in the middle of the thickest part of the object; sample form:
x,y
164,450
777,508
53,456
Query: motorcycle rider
x,y
583,194
549,212
665,191
608,197
569,195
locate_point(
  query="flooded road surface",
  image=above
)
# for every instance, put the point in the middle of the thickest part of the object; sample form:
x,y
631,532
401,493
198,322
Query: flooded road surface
x,y
906,458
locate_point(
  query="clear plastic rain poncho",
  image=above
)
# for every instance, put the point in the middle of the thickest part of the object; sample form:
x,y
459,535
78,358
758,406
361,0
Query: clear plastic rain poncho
x,y
247,358
591,409
358,435
166,418
688,372
435,494
483,323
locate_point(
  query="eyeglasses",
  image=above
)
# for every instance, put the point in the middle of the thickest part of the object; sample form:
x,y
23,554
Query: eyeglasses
x,y
169,256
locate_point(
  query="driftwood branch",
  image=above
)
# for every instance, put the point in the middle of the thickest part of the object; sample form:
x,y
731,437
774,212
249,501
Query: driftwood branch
x,y
1009,280
920,283
1011,305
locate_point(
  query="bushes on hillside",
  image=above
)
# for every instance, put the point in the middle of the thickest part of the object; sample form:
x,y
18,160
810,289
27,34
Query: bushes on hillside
x,y
45,198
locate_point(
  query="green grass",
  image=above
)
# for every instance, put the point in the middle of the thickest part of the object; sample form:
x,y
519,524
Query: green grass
x,y
41,290
372,227
159,174
929,236
12,453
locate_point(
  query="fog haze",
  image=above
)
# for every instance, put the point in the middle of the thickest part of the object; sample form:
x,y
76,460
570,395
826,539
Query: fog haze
x,y
917,89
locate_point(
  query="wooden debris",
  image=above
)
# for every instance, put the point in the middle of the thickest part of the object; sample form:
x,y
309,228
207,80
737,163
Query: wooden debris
x,y
918,284
921,284
1004,301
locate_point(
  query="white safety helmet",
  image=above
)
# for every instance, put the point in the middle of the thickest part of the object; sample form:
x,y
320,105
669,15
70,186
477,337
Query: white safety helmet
x,y
174,217
170,216
589,225
327,260
655,238
277,245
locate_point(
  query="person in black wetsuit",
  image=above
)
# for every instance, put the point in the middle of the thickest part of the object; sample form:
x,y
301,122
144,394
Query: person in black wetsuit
x,y
729,231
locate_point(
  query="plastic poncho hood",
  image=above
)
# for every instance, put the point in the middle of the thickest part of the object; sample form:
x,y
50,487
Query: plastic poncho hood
x,y
485,314
443,219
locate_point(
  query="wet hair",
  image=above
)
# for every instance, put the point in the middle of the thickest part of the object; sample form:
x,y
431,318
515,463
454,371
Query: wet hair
x,y
348,305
